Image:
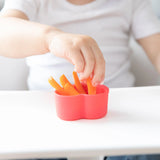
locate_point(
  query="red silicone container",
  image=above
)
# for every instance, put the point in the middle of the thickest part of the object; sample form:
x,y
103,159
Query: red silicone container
x,y
83,106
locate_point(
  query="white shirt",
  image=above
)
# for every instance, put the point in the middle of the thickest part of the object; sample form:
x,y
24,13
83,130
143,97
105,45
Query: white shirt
x,y
109,22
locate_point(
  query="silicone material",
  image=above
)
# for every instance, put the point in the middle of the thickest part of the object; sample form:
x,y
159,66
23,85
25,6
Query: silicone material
x,y
83,106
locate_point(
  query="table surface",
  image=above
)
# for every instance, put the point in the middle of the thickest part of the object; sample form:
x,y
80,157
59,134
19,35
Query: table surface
x,y
30,128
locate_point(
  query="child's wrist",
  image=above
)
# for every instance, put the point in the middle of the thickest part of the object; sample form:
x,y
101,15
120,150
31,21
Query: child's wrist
x,y
50,33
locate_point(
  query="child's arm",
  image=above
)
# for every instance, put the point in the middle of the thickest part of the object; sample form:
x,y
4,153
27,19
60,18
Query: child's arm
x,y
145,27
151,45
21,38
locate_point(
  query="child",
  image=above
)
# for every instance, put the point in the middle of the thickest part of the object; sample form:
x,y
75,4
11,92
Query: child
x,y
92,35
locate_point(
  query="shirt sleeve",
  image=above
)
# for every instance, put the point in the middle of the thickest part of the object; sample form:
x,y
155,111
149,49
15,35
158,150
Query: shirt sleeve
x,y
144,21
29,7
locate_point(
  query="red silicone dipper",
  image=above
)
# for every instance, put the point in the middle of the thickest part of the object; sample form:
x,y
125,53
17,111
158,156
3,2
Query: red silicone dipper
x,y
83,106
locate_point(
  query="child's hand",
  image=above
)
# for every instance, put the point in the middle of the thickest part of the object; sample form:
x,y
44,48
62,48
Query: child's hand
x,y
83,52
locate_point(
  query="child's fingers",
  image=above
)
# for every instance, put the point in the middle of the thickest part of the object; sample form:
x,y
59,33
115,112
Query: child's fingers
x,y
77,60
99,74
89,62
99,69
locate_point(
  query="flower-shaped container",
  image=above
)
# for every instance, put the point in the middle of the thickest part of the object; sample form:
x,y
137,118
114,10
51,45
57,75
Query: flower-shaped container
x,y
82,106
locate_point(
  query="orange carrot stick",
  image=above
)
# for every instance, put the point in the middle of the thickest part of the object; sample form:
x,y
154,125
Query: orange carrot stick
x,y
70,90
64,80
91,88
55,85
78,84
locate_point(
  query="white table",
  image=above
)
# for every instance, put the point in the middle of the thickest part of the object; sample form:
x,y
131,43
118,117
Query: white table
x,y
30,128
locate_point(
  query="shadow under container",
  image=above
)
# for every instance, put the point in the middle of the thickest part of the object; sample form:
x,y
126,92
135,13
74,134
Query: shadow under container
x,y
83,106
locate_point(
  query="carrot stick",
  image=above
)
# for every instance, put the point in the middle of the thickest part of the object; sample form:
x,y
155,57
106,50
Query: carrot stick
x,y
64,80
55,85
91,88
78,84
70,90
